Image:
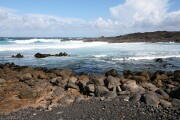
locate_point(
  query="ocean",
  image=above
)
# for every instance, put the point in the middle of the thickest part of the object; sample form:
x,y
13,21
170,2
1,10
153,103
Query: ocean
x,y
91,57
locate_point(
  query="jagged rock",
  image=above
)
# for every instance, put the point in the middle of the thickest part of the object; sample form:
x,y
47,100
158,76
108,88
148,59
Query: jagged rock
x,y
2,81
165,103
26,76
162,93
112,82
150,98
112,72
135,97
17,56
100,91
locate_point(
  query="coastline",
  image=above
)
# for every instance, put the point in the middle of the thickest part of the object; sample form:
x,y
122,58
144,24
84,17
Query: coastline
x,y
47,89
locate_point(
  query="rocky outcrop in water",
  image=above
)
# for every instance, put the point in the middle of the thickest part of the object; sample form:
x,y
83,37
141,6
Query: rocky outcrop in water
x,y
39,55
23,87
17,56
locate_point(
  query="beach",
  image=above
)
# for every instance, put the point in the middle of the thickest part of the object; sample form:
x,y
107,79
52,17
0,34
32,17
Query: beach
x,y
41,93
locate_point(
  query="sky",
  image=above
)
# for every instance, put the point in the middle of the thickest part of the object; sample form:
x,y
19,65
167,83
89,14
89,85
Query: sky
x,y
86,18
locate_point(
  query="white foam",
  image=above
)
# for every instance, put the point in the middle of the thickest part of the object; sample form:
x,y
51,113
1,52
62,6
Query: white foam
x,y
146,57
62,45
99,56
35,40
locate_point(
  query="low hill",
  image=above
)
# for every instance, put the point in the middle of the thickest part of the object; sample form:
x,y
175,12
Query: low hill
x,y
158,36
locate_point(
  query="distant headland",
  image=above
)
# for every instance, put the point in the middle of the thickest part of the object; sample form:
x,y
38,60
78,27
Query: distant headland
x,y
157,36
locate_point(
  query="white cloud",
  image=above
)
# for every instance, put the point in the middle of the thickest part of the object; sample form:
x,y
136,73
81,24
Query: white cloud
x,y
131,16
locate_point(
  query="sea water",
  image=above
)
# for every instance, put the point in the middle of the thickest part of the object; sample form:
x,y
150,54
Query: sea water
x,y
91,57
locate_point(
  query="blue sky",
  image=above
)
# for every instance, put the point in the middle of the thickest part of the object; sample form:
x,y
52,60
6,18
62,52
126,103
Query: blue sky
x,y
87,18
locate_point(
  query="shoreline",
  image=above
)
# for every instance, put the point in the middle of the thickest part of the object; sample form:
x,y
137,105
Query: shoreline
x,y
23,87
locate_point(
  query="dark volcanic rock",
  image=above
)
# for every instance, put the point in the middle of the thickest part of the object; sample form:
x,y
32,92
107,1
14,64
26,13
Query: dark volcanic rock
x,y
17,56
39,55
112,72
159,60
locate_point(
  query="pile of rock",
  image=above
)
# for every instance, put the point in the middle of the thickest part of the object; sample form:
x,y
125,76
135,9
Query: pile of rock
x,y
39,55
23,87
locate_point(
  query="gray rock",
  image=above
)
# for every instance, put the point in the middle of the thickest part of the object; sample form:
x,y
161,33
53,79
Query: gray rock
x,y
100,91
2,81
126,92
112,82
162,93
26,76
176,103
135,97
165,103
150,98
72,85
66,100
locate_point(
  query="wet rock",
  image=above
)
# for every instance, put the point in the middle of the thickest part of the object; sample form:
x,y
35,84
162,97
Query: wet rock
x,y
26,76
127,73
165,103
176,103
112,72
177,75
150,98
112,82
2,81
162,93
135,97
159,60
17,56
39,55
100,91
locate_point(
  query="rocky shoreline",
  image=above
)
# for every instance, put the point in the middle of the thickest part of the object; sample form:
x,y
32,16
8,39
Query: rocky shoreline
x,y
157,36
47,89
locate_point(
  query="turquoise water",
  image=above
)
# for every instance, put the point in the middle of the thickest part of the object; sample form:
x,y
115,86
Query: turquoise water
x,y
92,57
